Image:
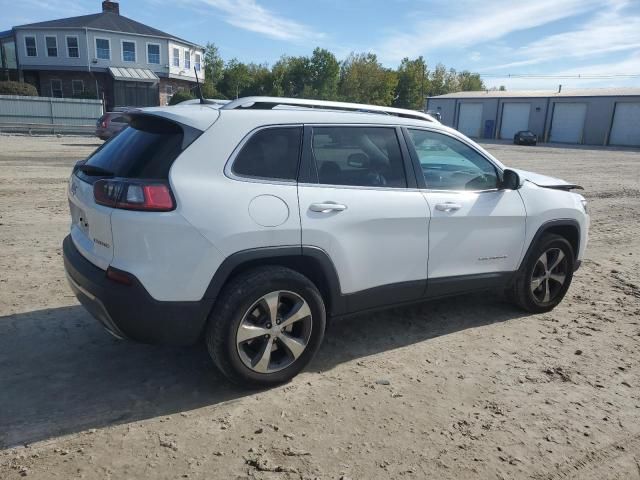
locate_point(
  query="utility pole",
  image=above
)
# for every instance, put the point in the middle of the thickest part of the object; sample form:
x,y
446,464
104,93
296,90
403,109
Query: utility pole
x,y
424,67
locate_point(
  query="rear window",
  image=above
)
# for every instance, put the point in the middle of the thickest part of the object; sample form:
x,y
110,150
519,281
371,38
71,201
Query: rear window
x,y
271,153
144,149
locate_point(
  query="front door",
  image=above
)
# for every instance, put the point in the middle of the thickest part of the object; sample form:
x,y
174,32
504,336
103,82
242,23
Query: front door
x,y
359,209
477,230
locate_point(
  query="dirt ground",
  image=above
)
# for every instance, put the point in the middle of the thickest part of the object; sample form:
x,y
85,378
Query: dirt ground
x,y
460,388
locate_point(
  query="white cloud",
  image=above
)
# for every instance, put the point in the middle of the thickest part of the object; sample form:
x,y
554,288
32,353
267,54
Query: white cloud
x,y
249,15
473,23
578,77
608,32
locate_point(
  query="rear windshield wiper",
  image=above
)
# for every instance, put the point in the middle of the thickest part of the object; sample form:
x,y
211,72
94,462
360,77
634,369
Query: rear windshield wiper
x,y
94,170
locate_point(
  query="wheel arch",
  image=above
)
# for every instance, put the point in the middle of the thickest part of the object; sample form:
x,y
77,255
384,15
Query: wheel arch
x,y
567,228
312,262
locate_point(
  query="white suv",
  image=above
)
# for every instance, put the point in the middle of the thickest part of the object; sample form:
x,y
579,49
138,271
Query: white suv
x,y
250,224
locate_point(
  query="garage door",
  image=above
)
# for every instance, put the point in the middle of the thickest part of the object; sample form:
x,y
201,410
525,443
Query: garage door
x,y
515,117
470,119
568,122
626,125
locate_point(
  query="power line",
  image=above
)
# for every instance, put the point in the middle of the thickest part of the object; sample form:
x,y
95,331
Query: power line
x,y
585,76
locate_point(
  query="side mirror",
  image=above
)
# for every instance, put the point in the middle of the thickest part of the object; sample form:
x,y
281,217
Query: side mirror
x,y
510,180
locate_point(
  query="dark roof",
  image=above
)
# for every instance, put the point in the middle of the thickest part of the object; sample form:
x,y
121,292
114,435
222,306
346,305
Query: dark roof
x,y
104,21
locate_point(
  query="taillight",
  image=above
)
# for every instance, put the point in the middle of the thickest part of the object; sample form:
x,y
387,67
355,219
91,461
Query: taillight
x,y
134,195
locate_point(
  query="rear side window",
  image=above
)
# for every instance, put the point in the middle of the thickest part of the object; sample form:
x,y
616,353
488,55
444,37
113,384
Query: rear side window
x,y
358,156
271,153
145,149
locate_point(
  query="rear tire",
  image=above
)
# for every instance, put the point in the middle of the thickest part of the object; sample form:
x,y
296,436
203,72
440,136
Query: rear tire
x,y
266,326
543,281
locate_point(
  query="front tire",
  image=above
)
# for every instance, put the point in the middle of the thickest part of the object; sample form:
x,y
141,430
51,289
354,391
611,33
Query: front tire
x,y
266,326
545,278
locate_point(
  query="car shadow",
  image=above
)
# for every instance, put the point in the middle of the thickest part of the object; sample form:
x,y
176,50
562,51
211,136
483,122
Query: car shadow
x,y
60,373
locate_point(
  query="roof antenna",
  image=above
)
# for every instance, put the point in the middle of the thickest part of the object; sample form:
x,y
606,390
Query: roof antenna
x,y
203,101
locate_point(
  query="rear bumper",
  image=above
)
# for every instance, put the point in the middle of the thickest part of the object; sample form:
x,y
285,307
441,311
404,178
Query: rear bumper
x,y
128,311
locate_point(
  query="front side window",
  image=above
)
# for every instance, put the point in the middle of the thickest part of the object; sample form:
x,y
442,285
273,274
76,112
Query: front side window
x,y
358,156
103,48
449,164
30,45
198,62
77,86
153,53
56,88
128,51
187,60
176,57
72,47
271,153
52,46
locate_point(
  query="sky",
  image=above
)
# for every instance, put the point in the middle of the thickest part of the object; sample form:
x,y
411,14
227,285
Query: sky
x,y
497,38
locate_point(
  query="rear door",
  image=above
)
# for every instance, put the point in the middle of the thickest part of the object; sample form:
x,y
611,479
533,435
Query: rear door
x,y
360,208
145,150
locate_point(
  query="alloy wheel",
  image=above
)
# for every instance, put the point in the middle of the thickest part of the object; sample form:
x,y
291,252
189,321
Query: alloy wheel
x,y
274,332
549,275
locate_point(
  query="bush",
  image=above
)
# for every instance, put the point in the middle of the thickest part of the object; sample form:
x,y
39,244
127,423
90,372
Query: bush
x,y
86,95
18,88
180,96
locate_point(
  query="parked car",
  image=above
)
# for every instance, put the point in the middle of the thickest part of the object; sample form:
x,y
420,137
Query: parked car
x,y
250,225
110,124
525,137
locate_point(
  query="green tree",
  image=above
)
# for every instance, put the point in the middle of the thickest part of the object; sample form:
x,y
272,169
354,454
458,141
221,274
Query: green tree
x,y
324,74
364,80
413,84
468,81
213,71
437,81
235,79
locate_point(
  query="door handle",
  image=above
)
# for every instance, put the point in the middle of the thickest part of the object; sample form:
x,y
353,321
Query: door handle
x,y
327,207
448,207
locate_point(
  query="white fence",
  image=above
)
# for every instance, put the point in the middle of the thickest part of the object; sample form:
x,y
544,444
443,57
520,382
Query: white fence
x,y
48,114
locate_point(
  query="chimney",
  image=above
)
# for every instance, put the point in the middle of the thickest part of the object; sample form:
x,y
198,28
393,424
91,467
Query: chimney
x,y
110,7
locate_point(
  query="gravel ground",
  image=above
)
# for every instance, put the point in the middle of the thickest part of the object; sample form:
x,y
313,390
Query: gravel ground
x,y
460,388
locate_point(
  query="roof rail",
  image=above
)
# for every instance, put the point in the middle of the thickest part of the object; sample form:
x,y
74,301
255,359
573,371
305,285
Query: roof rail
x,y
268,103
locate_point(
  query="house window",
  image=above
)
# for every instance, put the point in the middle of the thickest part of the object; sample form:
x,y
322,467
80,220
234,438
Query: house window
x,y
197,65
30,44
52,46
77,86
103,48
187,60
176,57
72,47
56,88
128,51
153,53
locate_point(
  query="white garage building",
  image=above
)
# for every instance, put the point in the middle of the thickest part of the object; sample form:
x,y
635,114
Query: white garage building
x,y
586,116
